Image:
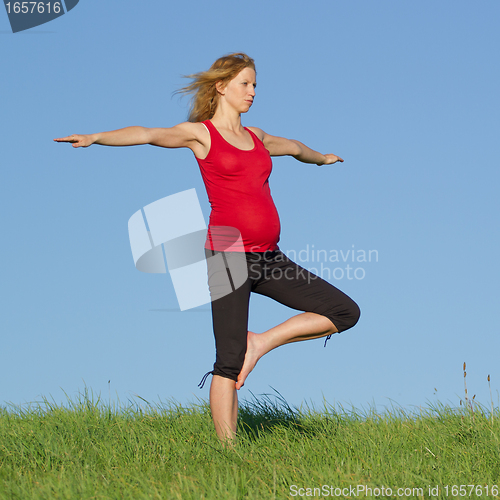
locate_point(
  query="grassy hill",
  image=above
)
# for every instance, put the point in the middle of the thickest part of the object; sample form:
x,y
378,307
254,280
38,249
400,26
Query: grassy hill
x,y
87,449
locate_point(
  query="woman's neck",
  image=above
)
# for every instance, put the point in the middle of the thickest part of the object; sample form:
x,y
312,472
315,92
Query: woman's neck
x,y
227,118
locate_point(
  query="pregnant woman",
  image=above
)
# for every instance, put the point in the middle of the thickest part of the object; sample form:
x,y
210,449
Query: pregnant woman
x,y
235,164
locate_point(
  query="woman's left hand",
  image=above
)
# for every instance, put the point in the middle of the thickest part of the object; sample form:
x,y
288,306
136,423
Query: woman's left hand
x,y
329,159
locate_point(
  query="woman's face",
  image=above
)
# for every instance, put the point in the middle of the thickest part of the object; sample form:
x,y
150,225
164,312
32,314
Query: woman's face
x,y
239,93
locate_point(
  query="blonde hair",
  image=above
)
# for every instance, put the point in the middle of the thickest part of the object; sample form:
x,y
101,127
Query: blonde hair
x,y
205,96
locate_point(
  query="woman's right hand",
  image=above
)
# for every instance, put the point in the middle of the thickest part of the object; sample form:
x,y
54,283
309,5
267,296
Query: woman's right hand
x,y
78,141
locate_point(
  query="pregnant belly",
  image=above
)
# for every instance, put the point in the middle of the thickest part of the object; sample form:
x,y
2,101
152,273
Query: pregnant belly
x,y
250,229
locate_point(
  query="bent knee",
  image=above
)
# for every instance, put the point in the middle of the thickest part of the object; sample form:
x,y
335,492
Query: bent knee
x,y
352,315
355,313
348,317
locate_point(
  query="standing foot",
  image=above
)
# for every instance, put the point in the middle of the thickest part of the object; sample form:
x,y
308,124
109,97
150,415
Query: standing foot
x,y
254,352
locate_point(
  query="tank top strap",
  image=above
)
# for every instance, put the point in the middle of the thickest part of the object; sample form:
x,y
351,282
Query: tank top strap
x,y
211,128
255,137
251,133
209,125
215,136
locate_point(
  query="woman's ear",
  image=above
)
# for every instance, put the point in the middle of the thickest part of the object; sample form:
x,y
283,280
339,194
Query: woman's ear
x,y
219,86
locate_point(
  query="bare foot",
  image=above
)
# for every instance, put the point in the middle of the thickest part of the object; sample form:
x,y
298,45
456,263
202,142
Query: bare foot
x,y
253,354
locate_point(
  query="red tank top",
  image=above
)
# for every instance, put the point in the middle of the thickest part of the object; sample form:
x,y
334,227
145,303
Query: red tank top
x,y
237,184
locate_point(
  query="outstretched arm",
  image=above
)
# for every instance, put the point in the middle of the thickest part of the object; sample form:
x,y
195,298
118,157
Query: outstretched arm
x,y
279,146
184,135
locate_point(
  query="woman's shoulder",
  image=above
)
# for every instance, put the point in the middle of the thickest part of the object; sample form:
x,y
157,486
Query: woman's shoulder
x,y
197,131
195,128
196,137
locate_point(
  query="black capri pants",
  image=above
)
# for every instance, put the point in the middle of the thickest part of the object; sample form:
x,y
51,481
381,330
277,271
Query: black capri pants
x,y
232,276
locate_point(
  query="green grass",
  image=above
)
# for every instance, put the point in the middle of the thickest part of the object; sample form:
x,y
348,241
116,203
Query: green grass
x,y
87,449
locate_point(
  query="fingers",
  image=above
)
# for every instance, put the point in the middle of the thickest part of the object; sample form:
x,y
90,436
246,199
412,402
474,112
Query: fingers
x,y
331,158
336,158
70,138
76,140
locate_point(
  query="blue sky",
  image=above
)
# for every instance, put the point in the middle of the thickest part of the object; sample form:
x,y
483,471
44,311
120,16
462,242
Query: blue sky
x,y
405,92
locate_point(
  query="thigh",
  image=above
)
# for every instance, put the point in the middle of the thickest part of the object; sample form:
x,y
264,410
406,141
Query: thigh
x,y
296,287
